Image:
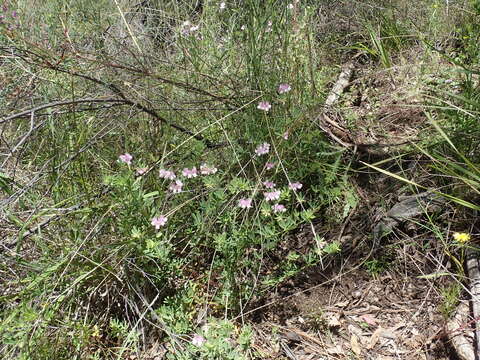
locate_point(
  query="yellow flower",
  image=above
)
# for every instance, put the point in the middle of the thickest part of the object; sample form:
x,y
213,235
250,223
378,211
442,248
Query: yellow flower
x,y
96,331
461,237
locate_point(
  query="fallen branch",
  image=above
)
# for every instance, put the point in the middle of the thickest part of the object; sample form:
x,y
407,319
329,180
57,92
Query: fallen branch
x,y
342,82
461,337
473,272
330,127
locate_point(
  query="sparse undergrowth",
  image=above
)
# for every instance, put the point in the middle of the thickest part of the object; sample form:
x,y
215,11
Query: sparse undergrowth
x,y
160,159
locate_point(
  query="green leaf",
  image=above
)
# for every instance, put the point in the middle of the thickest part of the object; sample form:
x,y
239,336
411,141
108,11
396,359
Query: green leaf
x,y
150,194
433,275
332,248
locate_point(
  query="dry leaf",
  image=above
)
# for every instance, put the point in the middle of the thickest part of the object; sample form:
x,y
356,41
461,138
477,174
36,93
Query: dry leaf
x,y
355,345
337,350
388,334
334,321
374,338
352,329
342,304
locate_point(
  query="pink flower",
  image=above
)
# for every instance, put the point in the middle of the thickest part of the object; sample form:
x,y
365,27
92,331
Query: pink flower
x,y
269,184
198,340
284,88
295,186
278,208
126,158
269,165
159,221
264,105
245,203
270,196
190,173
285,135
141,171
176,187
206,170
166,174
262,149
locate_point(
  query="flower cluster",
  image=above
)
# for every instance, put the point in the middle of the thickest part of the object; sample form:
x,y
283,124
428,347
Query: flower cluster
x,y
272,195
245,203
262,149
269,165
264,106
190,173
166,174
141,171
176,187
284,88
159,221
269,184
126,158
279,208
295,186
198,340
206,170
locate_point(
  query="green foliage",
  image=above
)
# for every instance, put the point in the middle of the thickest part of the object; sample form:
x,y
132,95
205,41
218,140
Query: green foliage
x,y
376,266
451,297
175,84
386,36
222,340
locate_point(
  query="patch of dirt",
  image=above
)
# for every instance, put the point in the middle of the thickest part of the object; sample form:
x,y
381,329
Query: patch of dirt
x,y
390,316
350,312
371,301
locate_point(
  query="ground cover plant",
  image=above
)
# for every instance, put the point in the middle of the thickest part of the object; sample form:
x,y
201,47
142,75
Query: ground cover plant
x,y
166,170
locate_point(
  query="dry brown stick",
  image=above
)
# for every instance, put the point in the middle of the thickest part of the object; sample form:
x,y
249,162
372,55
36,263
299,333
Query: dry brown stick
x,y
473,272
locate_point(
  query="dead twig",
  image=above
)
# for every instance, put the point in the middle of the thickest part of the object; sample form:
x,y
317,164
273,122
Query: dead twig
x,y
59,103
